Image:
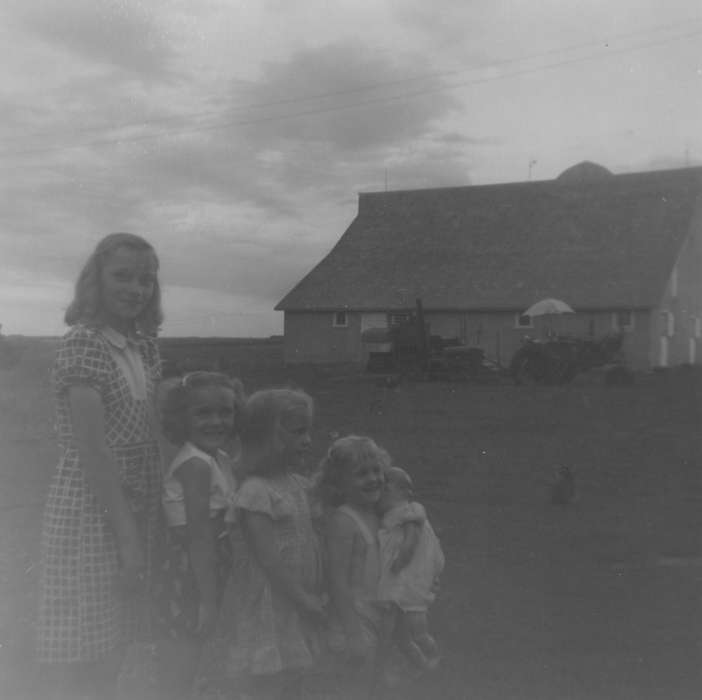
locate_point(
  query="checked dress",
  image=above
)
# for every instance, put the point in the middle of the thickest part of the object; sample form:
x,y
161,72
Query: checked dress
x,y
82,614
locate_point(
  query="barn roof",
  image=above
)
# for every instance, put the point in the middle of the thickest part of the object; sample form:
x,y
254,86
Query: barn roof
x,y
591,238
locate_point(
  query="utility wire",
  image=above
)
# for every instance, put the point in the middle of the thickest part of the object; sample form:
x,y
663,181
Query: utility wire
x,y
347,106
372,86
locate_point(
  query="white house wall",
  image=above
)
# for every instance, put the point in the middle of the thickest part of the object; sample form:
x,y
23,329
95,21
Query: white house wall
x,y
677,320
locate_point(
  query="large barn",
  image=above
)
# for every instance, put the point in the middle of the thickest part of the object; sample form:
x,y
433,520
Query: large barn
x,y
624,251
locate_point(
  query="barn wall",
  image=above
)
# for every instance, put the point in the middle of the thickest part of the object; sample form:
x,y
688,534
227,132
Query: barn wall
x,y
637,342
312,337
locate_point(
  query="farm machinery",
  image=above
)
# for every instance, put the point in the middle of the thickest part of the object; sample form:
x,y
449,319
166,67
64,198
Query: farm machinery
x,y
559,359
408,349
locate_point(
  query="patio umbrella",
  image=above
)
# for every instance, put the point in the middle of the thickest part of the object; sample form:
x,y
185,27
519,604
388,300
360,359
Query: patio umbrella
x,y
548,306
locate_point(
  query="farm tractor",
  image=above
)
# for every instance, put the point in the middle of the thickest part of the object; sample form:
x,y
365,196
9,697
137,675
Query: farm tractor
x,y
408,349
559,359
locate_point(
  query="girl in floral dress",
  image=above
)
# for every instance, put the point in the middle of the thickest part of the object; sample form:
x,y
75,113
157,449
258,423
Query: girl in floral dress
x,y
101,522
278,586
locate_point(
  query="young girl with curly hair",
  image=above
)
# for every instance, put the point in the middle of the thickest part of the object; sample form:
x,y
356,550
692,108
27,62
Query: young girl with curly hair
x,y
351,485
101,524
201,412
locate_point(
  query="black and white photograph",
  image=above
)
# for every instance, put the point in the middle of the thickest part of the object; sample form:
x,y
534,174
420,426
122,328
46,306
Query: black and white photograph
x,y
351,350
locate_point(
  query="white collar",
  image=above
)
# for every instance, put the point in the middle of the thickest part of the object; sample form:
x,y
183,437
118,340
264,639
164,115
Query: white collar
x,y
116,338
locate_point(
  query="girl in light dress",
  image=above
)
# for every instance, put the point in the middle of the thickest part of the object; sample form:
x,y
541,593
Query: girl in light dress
x,y
351,485
411,563
274,607
102,526
202,413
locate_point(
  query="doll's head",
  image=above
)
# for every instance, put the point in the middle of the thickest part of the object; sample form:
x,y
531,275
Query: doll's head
x,y
276,434
398,489
353,472
204,408
118,286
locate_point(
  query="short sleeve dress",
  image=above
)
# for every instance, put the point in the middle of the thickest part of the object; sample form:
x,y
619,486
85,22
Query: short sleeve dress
x,y
271,635
181,595
363,580
82,616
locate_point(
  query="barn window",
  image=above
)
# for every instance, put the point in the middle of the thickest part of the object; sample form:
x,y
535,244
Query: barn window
x,y
523,321
623,320
341,319
397,319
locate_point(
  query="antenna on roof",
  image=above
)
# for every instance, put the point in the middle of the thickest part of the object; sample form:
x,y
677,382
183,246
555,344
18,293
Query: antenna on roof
x,y
532,163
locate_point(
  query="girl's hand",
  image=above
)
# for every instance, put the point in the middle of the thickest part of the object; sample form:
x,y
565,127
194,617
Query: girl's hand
x,y
206,619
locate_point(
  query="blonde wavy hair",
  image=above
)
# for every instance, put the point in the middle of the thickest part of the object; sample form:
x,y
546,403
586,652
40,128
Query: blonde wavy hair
x,y
343,455
87,302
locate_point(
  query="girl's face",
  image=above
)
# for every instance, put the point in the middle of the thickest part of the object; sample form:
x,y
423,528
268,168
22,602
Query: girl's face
x,y
294,439
210,417
363,484
127,283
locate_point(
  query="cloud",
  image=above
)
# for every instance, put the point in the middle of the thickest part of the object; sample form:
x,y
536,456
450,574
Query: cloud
x,y
346,97
237,138
213,166
191,310
261,262
120,35
455,138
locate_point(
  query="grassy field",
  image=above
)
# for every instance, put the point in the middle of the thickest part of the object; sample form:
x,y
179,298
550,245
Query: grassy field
x,y
597,600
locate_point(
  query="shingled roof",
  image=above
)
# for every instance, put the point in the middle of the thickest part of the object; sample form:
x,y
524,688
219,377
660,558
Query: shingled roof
x,y
594,239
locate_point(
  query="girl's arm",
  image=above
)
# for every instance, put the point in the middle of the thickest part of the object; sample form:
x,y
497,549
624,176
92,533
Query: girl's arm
x,y
102,476
260,534
195,477
341,543
410,539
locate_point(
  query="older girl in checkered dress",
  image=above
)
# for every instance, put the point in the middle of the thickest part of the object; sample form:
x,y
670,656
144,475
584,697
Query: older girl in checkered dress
x,y
101,521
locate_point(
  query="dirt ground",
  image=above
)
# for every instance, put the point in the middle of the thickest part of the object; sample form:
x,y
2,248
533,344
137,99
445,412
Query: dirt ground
x,y
596,600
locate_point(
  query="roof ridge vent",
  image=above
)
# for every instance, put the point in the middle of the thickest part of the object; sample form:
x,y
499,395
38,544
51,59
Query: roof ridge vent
x,y
586,171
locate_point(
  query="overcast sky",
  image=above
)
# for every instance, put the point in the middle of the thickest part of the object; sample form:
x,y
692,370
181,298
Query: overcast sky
x,y
236,136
